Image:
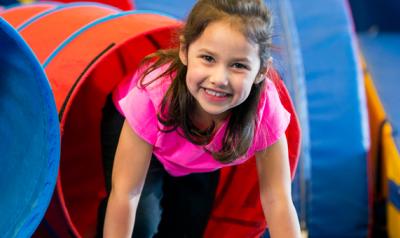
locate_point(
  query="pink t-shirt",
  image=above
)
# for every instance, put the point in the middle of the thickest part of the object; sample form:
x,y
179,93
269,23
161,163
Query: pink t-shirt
x,y
178,155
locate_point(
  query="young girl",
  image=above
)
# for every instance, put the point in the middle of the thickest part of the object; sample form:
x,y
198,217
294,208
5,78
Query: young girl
x,y
200,107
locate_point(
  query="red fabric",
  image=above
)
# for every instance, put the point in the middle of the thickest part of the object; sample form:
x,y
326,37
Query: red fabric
x,y
237,209
17,16
121,4
45,34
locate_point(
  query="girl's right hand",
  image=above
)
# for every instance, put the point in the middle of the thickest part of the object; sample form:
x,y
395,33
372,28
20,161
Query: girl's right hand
x,y
130,167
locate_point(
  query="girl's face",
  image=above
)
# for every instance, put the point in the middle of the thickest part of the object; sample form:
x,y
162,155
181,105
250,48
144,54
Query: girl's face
x,y
222,66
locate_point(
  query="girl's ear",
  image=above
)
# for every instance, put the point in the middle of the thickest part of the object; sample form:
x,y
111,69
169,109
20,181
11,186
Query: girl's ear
x,y
182,51
259,78
264,72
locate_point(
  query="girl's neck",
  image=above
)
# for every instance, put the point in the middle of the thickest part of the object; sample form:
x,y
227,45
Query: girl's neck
x,y
203,120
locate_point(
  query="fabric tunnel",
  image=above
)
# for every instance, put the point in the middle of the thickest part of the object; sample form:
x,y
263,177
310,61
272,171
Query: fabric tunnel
x,y
30,137
83,69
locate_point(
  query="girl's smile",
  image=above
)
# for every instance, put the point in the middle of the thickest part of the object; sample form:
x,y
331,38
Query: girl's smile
x,y
222,66
215,95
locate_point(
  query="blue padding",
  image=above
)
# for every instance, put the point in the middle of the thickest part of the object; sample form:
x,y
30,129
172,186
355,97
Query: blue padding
x,y
177,8
394,194
8,2
382,53
338,200
30,137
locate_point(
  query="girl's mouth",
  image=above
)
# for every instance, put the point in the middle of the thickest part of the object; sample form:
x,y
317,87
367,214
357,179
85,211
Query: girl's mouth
x,y
215,96
215,93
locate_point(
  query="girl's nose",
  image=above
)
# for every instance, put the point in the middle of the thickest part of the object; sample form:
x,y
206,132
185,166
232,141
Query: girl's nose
x,y
220,77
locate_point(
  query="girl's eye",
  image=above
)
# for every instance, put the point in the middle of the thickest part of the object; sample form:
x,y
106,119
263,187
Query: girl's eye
x,y
239,66
208,58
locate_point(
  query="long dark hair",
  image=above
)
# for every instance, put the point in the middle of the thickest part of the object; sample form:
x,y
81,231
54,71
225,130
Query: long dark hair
x,y
255,22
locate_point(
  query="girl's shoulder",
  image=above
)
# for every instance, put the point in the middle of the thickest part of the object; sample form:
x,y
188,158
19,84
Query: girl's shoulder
x,y
154,77
269,96
155,84
139,104
130,90
272,116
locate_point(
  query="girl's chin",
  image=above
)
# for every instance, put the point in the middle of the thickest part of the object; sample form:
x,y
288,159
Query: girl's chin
x,y
218,115
214,111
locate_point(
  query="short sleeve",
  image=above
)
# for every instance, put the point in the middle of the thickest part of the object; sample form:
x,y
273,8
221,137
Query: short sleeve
x,y
139,111
273,118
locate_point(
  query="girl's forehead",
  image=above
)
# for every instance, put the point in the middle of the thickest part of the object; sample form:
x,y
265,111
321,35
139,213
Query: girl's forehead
x,y
224,35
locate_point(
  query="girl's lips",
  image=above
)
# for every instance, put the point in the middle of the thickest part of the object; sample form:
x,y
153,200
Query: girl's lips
x,y
216,92
215,96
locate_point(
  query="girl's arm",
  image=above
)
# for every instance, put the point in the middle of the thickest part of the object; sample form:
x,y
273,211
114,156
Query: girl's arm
x,y
275,189
131,163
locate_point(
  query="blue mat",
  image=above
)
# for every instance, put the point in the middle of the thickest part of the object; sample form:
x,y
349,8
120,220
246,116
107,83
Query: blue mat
x,y
30,137
338,200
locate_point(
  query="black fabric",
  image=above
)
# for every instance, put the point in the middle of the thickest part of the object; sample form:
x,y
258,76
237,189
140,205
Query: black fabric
x,y
178,206
187,204
111,126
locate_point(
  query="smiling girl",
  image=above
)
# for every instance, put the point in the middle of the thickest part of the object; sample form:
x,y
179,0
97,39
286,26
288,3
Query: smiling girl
x,y
203,106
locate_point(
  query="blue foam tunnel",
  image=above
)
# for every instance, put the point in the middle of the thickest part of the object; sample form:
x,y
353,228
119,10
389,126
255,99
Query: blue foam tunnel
x,y
29,137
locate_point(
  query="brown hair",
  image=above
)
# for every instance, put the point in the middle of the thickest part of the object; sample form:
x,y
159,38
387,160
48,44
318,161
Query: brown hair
x,y
178,104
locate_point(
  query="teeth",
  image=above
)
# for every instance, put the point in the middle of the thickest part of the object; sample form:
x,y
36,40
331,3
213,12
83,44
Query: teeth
x,y
214,93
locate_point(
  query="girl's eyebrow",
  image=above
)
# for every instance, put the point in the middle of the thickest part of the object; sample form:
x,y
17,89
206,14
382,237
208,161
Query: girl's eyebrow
x,y
207,51
245,60
239,59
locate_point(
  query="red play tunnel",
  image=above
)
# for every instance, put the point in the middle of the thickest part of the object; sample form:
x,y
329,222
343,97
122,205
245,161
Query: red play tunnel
x,y
85,59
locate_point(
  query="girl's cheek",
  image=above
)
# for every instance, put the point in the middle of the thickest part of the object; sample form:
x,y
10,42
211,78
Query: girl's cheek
x,y
199,71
